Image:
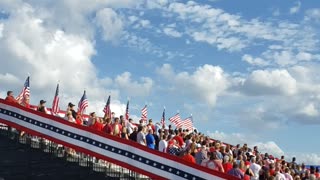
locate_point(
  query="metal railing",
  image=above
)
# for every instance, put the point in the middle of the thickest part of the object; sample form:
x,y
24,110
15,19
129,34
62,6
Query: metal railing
x,y
54,150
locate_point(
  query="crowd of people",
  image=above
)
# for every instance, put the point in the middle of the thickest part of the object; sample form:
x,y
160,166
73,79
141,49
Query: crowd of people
x,y
194,147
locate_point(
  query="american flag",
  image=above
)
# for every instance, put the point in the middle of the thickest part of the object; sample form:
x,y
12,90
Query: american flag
x,y
83,103
55,103
144,113
107,109
188,123
127,111
163,118
25,92
176,120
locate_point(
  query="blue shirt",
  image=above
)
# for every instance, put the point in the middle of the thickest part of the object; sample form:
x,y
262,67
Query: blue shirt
x,y
150,141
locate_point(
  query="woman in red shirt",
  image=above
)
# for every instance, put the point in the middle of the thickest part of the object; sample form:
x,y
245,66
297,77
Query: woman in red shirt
x,y
188,157
215,163
97,125
79,119
227,165
244,167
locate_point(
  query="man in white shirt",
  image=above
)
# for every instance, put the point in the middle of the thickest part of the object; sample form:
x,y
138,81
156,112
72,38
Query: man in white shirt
x,y
279,176
141,136
163,144
287,174
130,126
255,169
92,117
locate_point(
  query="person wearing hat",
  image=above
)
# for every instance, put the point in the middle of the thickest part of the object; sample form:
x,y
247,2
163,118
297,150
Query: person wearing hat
x,y
70,108
42,107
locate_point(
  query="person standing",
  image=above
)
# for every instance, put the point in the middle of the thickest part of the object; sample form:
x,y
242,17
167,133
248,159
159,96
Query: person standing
x,y
10,97
255,168
150,140
163,144
108,128
141,137
42,107
117,128
235,171
133,135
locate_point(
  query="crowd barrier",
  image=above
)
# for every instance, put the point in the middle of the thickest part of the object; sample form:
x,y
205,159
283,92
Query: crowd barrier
x,y
124,153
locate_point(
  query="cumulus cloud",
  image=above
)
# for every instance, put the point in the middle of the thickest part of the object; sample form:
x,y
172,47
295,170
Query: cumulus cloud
x,y
172,32
238,138
107,18
206,83
48,54
307,158
296,8
270,147
254,61
134,88
233,138
1,29
313,15
310,110
270,82
7,77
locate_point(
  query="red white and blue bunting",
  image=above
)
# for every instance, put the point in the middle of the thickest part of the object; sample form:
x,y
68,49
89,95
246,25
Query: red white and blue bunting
x,y
119,151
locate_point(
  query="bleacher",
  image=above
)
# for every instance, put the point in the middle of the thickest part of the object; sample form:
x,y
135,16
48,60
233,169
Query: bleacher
x,y
98,155
31,157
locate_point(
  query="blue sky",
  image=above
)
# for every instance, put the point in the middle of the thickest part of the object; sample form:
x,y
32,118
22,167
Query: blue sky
x,y
246,70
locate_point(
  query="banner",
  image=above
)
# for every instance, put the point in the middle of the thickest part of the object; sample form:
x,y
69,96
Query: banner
x,y
125,153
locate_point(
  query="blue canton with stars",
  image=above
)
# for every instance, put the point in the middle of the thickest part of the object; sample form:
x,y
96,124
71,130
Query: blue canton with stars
x,y
102,145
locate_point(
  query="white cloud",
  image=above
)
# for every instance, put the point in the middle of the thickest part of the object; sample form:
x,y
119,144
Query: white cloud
x,y
313,15
1,29
284,58
142,44
254,61
296,8
231,32
238,138
172,32
9,78
233,138
50,54
304,56
206,83
133,19
107,18
142,23
293,97
277,56
47,54
134,88
307,158
145,23
156,4
270,147
310,110
270,82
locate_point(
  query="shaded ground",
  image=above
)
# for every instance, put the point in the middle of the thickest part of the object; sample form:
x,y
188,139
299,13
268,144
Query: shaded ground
x,y
18,161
